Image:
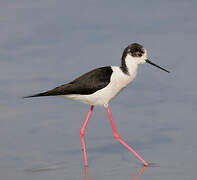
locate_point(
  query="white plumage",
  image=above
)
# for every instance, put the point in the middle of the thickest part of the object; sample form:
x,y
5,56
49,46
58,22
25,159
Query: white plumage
x,y
118,81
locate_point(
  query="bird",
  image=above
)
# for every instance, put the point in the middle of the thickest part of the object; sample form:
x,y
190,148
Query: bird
x,y
99,86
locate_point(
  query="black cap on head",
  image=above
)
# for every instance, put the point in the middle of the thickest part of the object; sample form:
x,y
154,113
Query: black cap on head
x,y
135,50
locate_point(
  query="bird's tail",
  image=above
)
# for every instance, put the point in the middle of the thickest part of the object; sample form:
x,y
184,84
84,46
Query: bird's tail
x,y
38,95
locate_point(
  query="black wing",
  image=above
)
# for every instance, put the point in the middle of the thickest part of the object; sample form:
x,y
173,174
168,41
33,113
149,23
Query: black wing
x,y
85,84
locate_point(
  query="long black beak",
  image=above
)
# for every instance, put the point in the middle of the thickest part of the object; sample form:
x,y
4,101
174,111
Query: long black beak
x,y
157,66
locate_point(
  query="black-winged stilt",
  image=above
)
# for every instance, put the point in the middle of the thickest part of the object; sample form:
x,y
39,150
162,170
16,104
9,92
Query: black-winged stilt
x,y
101,85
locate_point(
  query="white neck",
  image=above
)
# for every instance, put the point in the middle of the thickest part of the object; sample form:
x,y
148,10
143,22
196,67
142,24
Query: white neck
x,y
131,64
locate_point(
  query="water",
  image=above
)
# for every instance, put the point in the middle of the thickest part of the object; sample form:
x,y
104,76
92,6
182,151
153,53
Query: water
x,y
44,44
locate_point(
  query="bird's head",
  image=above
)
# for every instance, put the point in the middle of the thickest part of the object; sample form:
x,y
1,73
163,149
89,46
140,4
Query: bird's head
x,y
138,55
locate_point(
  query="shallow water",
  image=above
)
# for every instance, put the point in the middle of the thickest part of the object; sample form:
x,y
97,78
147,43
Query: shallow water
x,y
44,44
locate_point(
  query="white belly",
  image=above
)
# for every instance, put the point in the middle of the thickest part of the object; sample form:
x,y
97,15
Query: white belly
x,y
119,80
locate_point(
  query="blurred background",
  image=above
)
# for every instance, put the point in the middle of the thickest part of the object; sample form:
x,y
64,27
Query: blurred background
x,y
46,43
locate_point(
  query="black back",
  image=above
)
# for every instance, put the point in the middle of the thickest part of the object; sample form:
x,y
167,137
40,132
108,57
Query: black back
x,y
84,85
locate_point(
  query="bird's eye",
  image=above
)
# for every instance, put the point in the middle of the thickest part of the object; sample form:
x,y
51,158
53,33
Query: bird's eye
x,y
139,54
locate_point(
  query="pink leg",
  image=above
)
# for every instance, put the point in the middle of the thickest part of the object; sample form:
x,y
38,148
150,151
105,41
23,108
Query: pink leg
x,y
117,137
82,132
140,173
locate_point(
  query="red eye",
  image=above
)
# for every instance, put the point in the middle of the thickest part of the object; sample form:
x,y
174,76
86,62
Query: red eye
x,y
139,54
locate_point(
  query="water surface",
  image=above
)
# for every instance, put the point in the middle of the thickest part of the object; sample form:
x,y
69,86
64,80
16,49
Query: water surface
x,y
46,43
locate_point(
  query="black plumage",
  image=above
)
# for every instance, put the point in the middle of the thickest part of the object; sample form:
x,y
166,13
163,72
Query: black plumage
x,y
86,84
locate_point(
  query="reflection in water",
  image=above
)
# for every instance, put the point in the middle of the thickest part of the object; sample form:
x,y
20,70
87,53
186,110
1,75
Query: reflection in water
x,y
140,173
64,165
86,171
135,177
48,167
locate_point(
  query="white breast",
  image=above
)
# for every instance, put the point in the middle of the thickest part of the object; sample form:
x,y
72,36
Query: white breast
x,y
118,81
